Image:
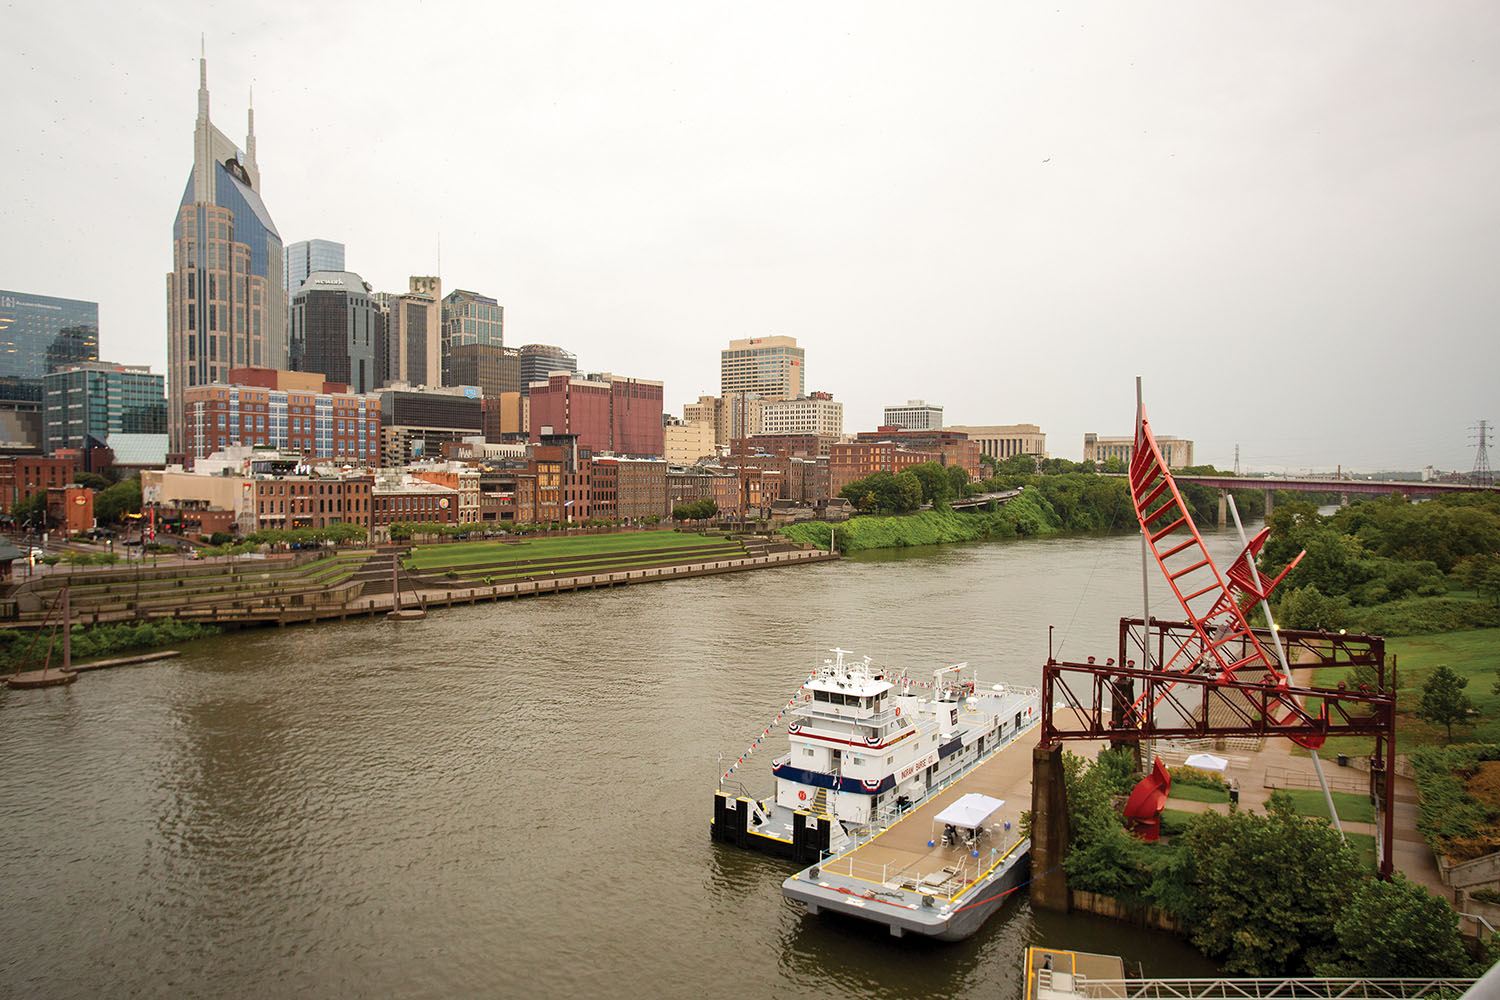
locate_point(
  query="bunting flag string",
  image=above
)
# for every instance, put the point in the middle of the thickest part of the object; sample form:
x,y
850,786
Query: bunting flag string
x,y
751,749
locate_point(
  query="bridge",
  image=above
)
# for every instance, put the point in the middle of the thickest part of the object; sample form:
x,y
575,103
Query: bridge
x,y
1343,487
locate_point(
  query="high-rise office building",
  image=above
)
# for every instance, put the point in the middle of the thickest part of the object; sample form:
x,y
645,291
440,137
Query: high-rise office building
x,y
469,318
86,403
540,360
493,368
306,256
339,331
38,334
414,323
225,303
770,366
916,415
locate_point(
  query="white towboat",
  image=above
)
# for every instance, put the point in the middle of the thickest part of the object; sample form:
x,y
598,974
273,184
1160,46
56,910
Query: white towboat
x,y
866,745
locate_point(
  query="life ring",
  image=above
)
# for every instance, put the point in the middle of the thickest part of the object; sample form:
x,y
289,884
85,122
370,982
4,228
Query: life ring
x,y
802,796
807,697
898,709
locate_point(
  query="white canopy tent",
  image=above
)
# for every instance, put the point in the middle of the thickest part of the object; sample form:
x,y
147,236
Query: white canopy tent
x,y
970,811
1207,762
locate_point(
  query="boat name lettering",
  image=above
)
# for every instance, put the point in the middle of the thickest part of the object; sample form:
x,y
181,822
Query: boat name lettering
x,y
917,765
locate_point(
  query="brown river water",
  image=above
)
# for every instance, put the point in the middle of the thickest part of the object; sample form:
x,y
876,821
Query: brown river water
x,y
510,799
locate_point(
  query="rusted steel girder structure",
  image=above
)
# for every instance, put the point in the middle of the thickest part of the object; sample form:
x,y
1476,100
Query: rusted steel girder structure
x,y
1128,704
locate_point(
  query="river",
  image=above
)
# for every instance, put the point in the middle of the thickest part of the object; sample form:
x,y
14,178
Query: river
x,y
509,799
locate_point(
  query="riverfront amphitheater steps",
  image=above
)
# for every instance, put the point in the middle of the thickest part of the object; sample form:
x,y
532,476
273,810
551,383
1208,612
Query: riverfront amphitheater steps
x,y
189,589
291,589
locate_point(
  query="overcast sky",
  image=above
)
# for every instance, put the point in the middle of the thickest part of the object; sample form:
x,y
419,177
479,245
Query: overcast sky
x,y
1285,217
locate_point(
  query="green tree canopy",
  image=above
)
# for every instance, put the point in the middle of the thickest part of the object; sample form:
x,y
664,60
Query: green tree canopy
x,y
1443,700
908,492
1269,889
1397,928
113,503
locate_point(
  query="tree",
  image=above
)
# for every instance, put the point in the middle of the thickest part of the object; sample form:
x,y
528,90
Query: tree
x,y
1269,889
1397,928
936,487
31,511
1443,700
908,490
120,499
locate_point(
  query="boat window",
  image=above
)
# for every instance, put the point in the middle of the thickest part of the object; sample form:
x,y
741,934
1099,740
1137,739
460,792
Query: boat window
x,y
807,751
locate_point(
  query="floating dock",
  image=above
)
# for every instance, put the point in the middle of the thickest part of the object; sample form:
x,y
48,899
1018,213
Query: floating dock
x,y
908,879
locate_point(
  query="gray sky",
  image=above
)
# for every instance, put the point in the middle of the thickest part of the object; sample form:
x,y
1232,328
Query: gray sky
x,y
1284,216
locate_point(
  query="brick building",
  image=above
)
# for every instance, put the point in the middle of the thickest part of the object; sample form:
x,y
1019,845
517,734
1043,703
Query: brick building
x,y
954,448
70,508
605,412
851,460
24,476
409,500
291,502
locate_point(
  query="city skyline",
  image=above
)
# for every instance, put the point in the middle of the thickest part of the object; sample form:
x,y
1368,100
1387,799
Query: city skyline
x,y
1008,212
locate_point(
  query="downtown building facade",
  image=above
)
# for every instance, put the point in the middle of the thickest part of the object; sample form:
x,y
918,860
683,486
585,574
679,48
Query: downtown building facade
x,y
306,256
414,320
339,331
86,404
1002,441
38,334
771,367
606,412
916,415
296,412
540,360
1178,452
817,414
470,319
226,306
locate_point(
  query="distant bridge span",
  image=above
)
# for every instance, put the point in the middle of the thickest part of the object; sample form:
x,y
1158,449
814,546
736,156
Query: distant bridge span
x,y
1343,487
1382,487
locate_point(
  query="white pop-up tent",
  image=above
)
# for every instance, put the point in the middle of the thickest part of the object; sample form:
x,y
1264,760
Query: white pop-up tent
x,y
1207,762
970,811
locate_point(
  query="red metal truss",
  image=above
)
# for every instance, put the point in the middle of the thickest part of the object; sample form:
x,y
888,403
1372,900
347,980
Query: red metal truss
x,y
1223,643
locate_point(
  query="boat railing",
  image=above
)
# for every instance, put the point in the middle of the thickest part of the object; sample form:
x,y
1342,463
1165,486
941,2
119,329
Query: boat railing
x,y
959,870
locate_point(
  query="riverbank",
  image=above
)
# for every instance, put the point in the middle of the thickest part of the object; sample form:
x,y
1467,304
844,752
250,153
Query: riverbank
x,y
1025,515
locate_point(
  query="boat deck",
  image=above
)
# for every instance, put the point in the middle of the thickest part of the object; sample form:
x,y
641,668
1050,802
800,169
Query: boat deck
x,y
899,857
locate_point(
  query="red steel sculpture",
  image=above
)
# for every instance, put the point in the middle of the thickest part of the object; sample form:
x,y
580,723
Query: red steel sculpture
x,y
1221,643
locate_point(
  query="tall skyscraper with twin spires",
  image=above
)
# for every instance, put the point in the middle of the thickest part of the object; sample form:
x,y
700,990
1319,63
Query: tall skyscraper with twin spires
x,y
226,307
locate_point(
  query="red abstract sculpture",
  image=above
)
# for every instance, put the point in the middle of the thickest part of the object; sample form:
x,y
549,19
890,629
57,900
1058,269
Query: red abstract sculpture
x,y
1147,800
1223,645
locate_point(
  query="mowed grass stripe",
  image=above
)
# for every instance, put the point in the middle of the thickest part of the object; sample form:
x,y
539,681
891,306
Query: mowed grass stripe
x,y
599,564
498,553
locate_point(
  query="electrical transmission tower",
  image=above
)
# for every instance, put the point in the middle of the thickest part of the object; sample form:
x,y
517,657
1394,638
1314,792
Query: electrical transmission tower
x,y
1482,474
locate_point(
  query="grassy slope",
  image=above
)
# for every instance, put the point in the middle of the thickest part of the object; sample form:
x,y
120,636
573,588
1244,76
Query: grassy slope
x,y
1474,654
495,553
1029,512
1196,793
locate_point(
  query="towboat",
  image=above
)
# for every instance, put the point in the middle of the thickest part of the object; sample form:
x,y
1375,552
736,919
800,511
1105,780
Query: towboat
x,y
865,746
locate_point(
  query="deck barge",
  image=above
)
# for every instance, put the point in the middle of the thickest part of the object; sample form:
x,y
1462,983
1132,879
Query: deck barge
x,y
908,879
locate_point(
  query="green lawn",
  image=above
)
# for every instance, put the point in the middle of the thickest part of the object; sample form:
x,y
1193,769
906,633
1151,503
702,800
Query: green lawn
x,y
1197,793
1474,654
1364,846
1352,808
494,552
